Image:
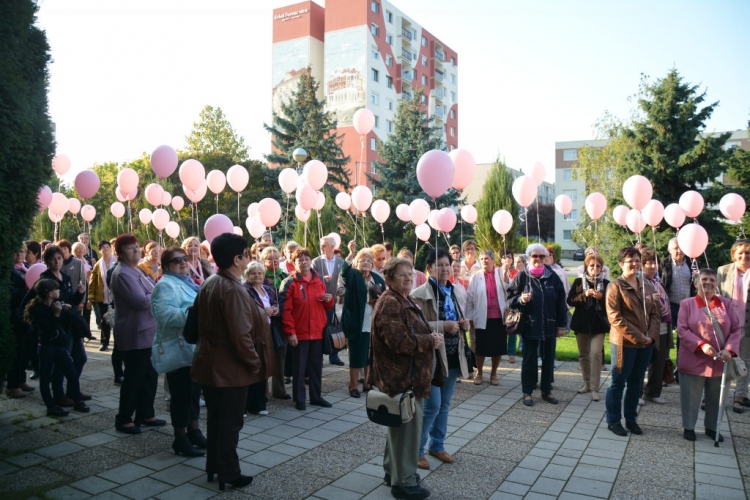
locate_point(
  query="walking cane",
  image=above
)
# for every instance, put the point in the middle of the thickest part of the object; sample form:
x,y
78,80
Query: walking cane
x,y
721,403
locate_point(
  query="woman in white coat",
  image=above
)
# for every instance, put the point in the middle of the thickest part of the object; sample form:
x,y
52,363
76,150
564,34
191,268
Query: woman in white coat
x,y
485,307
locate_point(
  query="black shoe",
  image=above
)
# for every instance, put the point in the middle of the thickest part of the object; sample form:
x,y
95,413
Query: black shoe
x,y
210,477
410,492
285,396
65,402
197,438
689,435
745,402
617,429
300,406
322,402
703,405
712,435
56,411
128,430
287,381
387,479
152,423
104,348
354,393
528,400
85,397
240,482
337,362
34,376
634,428
81,407
182,446
550,399
119,380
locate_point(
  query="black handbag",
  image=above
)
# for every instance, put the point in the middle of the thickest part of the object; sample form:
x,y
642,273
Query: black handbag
x,y
190,332
278,340
333,336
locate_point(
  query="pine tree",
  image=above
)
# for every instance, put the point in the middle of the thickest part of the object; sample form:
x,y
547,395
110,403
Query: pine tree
x,y
497,195
303,123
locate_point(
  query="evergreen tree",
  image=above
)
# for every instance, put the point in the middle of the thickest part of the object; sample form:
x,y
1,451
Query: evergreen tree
x,y
497,195
304,123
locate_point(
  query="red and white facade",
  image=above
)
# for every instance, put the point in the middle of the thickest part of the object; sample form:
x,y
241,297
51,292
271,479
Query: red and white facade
x,y
365,53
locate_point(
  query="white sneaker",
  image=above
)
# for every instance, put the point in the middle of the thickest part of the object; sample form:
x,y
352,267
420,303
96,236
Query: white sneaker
x,y
659,401
641,402
538,361
263,412
201,403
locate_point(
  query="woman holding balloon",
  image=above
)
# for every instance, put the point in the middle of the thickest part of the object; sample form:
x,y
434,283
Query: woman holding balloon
x,y
200,268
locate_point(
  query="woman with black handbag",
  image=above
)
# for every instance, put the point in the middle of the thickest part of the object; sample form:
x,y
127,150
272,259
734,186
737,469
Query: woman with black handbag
x,y
587,296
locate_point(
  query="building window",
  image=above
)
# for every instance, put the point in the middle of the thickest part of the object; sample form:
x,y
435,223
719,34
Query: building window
x,y
572,216
389,60
377,121
424,42
452,147
453,114
424,99
567,234
424,79
414,74
572,193
570,154
389,82
389,39
375,7
375,53
424,60
389,16
389,125
375,98
373,144
568,174
375,29
373,169
453,131
390,105
453,61
375,75
453,79
453,96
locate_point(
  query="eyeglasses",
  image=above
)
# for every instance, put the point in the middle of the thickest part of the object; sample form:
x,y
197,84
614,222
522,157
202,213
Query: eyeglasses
x,y
402,275
181,258
631,262
537,256
244,255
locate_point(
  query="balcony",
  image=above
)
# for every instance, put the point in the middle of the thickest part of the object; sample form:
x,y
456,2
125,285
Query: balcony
x,y
407,76
439,76
406,95
406,54
438,93
406,34
440,56
439,112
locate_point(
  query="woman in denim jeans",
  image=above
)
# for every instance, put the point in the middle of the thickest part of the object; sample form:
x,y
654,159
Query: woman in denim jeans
x,y
447,318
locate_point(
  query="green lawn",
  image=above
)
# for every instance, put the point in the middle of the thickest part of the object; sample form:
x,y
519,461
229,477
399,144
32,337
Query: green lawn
x,y
567,348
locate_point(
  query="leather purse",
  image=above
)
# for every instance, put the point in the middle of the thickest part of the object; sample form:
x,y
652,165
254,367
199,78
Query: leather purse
x,y
512,320
735,367
333,337
171,355
390,411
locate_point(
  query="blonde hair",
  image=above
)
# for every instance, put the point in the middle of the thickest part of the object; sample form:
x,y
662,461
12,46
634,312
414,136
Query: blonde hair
x,y
377,249
186,243
365,252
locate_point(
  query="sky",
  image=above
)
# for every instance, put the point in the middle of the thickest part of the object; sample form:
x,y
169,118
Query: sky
x,y
130,75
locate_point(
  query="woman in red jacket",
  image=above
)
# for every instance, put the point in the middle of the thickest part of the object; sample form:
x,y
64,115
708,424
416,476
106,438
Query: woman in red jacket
x,y
304,300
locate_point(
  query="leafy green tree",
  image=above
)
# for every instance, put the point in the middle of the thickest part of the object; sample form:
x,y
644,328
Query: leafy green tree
x,y
27,146
303,122
214,135
498,195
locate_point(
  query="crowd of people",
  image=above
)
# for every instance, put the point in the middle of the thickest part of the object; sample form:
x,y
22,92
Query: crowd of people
x,y
262,313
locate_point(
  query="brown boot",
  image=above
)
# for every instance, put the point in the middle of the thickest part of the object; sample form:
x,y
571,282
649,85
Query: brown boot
x,y
15,393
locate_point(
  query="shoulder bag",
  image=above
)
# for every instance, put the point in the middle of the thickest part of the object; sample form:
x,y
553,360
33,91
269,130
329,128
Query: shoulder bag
x,y
190,331
390,411
735,367
172,354
333,337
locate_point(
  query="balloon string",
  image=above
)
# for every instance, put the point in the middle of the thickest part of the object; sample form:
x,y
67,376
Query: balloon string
x,y
361,154
197,221
239,222
382,231
286,217
305,234
217,203
130,218
538,223
437,294
364,238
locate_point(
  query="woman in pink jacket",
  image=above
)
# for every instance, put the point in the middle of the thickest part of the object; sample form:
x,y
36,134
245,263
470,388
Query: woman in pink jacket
x,y
702,353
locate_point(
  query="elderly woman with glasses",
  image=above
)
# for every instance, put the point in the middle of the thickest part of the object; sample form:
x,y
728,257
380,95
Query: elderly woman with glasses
x,y
540,296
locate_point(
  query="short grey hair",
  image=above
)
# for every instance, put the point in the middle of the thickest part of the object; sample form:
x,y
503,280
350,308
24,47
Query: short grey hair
x,y
489,253
536,246
253,265
328,239
674,240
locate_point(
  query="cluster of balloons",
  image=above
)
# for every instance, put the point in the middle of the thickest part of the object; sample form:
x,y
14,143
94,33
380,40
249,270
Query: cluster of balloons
x,y
57,204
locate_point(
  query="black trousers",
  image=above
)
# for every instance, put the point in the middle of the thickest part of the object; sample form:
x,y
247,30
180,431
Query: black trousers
x,y
225,407
307,361
138,389
106,328
529,369
256,396
17,370
184,402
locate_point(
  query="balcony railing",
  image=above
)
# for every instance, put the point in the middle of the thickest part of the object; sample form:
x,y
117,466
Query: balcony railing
x,y
407,95
439,112
406,54
440,56
438,93
406,34
407,75
439,76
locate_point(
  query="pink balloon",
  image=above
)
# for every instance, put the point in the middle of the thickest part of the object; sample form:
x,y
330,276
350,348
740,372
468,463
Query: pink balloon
x,y
127,180
192,174
674,215
255,227
217,224
402,212
596,205
316,174
301,213
172,229
343,201
435,172
691,202
269,212
166,199
196,195
252,209
337,238
178,203
380,210
363,121
635,221
130,196
637,191
320,201
693,240
237,178
539,173
732,206
432,220
653,213
502,221
620,215
44,198
446,220
87,184
61,164
164,162
469,214
74,206
53,216
423,232
145,216
88,213
216,181
160,218
361,198
419,211
120,194
288,180
33,273
306,196
59,204
117,209
563,204
238,230
154,193
465,168
524,190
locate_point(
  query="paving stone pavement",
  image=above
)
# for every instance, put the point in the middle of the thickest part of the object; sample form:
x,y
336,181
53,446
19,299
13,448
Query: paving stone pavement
x,y
503,450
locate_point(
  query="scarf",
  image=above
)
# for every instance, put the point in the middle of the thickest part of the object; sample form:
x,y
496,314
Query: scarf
x,y
592,283
197,271
20,268
185,278
103,267
446,312
536,271
275,277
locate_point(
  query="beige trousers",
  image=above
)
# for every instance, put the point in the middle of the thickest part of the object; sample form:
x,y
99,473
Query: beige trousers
x,y
590,358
